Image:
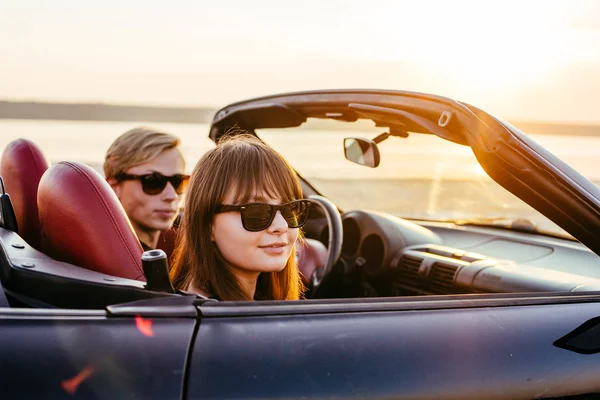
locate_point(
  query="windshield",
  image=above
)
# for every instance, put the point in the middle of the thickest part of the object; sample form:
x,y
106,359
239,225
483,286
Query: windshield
x,y
419,177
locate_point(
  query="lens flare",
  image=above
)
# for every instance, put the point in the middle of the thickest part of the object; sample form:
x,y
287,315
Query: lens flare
x,y
144,326
70,385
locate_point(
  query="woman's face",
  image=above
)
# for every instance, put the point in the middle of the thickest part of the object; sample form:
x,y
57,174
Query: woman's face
x,y
250,253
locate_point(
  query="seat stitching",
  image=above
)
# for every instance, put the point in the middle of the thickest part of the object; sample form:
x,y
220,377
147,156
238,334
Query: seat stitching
x,y
32,156
107,210
31,153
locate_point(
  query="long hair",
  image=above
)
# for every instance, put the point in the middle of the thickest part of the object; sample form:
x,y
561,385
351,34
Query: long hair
x,y
243,165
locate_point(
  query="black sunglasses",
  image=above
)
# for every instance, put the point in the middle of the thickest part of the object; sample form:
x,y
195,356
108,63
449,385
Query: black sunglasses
x,y
156,182
259,216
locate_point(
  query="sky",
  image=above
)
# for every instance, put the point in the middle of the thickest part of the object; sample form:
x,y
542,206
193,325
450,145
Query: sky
x,y
521,60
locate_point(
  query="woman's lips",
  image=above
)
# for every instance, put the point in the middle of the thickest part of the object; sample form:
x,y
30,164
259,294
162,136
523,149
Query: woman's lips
x,y
274,248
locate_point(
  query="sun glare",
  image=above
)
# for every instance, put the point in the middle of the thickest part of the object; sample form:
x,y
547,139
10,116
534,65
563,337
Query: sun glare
x,y
510,45
507,51
478,170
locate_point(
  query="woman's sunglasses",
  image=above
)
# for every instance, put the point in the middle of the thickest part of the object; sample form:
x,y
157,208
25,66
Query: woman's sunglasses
x,y
259,216
155,182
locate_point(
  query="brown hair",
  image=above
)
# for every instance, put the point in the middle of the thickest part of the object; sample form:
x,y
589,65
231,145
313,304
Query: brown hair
x,y
135,147
246,165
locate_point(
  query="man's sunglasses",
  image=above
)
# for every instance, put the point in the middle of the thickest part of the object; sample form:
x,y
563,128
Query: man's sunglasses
x,y
259,216
155,182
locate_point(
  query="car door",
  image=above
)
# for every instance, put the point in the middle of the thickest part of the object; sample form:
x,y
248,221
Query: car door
x,y
450,347
124,352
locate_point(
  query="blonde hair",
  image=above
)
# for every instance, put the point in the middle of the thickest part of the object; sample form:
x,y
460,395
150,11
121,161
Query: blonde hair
x,y
241,164
135,147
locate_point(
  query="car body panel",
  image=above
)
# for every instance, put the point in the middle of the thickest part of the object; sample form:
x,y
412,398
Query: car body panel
x,y
499,352
89,355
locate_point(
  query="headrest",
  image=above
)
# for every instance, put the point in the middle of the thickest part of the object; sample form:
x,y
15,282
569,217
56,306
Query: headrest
x,y
84,223
21,168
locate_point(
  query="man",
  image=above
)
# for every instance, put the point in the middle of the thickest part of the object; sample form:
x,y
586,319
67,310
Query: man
x,y
145,168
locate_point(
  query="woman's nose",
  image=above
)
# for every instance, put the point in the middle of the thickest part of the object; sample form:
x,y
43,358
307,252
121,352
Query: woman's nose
x,y
279,224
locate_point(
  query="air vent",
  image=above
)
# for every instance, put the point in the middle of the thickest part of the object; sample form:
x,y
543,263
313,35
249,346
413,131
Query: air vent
x,y
442,278
408,270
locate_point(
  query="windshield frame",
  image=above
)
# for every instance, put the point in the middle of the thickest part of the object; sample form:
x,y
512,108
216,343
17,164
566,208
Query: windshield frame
x,y
521,169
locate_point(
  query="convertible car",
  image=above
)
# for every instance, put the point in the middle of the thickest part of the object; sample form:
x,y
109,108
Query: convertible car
x,y
402,304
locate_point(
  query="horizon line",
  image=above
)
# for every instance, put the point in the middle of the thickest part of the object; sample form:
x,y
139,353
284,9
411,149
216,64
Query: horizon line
x,y
216,108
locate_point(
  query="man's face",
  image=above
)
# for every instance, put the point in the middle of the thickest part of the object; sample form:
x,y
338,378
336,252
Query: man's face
x,y
151,213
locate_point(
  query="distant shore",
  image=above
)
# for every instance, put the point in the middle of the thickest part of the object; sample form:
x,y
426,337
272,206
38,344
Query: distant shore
x,y
25,110
103,112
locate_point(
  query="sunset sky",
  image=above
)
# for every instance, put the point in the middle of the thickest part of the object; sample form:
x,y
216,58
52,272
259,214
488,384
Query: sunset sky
x,y
527,59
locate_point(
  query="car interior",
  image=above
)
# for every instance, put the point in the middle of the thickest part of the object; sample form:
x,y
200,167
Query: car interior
x,y
91,249
75,248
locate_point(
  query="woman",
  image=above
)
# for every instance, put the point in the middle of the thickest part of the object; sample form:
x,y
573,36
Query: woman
x,y
243,211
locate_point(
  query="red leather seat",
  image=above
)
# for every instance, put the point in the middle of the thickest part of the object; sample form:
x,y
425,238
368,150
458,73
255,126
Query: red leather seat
x,y
84,223
312,256
21,168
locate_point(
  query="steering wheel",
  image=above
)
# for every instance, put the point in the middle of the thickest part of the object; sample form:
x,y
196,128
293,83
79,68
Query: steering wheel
x,y
334,248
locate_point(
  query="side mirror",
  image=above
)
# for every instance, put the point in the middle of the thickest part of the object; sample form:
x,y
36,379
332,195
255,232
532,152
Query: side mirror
x,y
362,151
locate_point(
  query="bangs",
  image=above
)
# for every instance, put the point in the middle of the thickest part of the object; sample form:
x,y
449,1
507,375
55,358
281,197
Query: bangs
x,y
258,170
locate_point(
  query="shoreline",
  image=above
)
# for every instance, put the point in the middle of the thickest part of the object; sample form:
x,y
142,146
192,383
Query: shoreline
x,y
101,112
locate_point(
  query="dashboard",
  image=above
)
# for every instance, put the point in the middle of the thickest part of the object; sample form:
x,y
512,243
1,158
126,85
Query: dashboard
x,y
392,256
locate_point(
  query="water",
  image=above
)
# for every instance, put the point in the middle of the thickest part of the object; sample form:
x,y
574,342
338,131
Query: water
x,y
420,156
420,176
87,141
